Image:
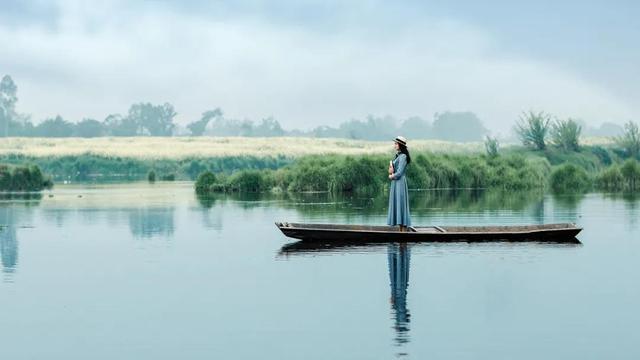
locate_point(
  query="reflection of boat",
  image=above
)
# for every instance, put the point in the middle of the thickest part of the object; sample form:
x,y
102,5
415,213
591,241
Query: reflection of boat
x,y
304,247
564,232
310,247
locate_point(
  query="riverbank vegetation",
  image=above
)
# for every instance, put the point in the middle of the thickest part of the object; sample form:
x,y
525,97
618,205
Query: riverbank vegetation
x,y
88,167
563,165
329,164
363,174
23,178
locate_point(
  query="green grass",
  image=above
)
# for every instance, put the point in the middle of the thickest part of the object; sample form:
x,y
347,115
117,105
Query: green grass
x,y
517,169
570,178
89,167
367,174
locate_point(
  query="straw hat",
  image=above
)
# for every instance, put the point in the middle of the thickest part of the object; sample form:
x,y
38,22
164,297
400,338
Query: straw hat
x,y
401,140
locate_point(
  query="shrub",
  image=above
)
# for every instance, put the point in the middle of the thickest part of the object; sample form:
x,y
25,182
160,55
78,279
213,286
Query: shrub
x,y
610,179
586,159
570,178
151,176
532,129
168,177
357,175
23,178
311,174
250,181
205,182
631,172
565,134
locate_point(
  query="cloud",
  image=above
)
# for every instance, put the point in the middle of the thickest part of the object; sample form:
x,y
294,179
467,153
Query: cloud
x,y
99,59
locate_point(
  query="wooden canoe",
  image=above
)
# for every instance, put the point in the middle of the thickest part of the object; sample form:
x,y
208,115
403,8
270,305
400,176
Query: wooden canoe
x,y
565,232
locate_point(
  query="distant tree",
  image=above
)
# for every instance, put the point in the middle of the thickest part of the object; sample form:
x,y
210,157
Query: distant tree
x,y
374,128
116,125
198,127
458,126
246,128
268,127
325,131
219,126
22,126
630,140
565,134
605,129
55,127
532,129
89,128
356,129
416,128
154,120
610,129
8,100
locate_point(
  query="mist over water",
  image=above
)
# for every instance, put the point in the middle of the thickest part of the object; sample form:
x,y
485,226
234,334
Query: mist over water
x,y
142,271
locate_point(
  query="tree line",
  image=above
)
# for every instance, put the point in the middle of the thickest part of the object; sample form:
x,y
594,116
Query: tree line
x,y
147,119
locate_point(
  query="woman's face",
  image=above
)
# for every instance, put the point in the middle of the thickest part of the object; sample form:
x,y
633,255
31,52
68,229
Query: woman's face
x,y
396,146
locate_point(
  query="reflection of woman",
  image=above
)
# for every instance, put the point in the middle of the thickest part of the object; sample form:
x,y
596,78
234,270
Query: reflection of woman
x,y
399,256
398,189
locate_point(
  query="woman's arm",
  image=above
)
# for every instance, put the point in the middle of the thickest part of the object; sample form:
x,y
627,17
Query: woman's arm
x,y
402,166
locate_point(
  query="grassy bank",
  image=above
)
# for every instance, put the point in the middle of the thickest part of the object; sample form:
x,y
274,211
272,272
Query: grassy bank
x,y
183,158
594,167
334,165
368,174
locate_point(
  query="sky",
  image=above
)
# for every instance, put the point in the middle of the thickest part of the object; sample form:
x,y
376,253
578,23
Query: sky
x,y
309,62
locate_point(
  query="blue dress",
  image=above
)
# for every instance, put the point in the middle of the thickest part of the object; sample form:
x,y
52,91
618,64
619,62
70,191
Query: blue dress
x,y
399,194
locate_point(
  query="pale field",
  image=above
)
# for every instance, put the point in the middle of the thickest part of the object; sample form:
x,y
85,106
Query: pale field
x,y
203,147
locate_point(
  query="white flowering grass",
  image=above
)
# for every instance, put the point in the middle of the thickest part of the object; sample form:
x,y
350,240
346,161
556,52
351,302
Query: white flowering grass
x,y
184,147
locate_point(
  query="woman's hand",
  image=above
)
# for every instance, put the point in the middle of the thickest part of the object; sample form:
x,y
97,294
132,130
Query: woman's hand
x,y
390,176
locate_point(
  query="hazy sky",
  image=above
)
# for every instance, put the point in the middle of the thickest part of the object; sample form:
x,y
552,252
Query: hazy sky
x,y
308,62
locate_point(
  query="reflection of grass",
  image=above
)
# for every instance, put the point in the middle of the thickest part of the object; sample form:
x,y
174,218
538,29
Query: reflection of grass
x,y
632,199
568,201
425,202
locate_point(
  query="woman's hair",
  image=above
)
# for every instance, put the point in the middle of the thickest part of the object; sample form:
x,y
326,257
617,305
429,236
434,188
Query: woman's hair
x,y
404,150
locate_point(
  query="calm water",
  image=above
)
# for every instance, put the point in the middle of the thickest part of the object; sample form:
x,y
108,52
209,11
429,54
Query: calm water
x,y
144,271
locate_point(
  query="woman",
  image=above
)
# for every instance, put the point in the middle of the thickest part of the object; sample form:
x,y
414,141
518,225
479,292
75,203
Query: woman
x,y
398,189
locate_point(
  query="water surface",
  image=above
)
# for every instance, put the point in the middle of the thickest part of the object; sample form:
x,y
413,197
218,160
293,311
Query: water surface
x,y
141,271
